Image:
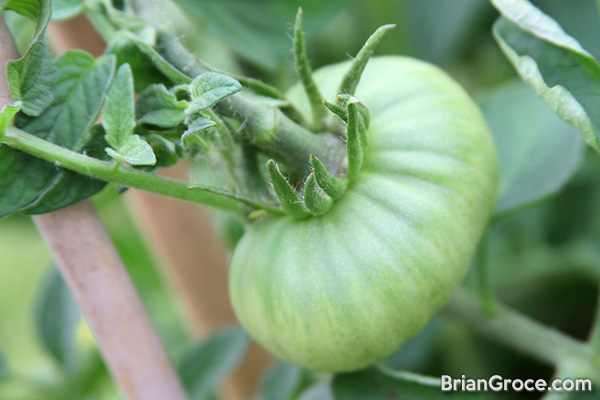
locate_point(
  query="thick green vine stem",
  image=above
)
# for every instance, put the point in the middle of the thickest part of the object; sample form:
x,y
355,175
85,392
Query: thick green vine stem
x,y
106,171
280,137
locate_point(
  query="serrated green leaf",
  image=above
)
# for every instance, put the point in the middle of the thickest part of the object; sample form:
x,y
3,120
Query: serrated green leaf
x,y
136,151
65,9
56,319
373,384
31,77
118,117
27,181
205,366
210,88
31,9
538,152
565,75
159,62
159,107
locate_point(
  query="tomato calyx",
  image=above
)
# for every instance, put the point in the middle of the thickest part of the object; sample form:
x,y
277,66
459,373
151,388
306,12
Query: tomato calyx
x,y
321,187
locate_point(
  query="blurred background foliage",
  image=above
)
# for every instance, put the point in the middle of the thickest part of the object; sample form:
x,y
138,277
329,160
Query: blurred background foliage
x,y
544,244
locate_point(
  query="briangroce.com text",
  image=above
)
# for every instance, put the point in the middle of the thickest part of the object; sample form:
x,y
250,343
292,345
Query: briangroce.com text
x,y
497,383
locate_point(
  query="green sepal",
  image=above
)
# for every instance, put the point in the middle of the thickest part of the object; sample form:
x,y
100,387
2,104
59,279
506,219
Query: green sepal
x,y
305,73
355,142
363,110
316,202
210,88
331,185
352,76
337,110
290,202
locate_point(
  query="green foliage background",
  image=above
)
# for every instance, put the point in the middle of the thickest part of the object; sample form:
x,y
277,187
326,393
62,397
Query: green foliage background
x,y
543,256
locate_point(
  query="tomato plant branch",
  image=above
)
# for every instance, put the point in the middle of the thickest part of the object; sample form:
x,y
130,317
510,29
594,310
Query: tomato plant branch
x,y
520,332
130,177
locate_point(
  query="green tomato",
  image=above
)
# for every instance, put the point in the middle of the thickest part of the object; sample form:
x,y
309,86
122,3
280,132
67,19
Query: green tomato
x,y
341,291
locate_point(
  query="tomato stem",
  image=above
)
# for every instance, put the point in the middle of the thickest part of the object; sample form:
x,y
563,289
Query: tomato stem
x,y
106,171
521,332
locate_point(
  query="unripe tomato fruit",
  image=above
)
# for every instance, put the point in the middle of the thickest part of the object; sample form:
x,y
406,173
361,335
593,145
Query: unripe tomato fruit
x,y
341,291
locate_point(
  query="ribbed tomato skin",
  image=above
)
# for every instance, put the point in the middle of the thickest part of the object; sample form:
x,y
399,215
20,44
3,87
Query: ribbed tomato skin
x,y
341,291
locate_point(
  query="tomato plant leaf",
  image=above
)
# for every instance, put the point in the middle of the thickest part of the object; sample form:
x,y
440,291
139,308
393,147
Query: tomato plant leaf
x,y
119,121
159,107
136,151
205,366
167,153
373,384
56,319
31,77
209,89
118,118
32,9
29,182
65,9
158,61
565,75
538,152
283,382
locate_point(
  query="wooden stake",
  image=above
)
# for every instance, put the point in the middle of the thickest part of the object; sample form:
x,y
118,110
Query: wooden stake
x,y
94,273
192,257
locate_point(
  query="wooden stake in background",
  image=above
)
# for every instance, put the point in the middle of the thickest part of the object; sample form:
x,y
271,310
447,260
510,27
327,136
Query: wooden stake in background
x,y
104,294
191,256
